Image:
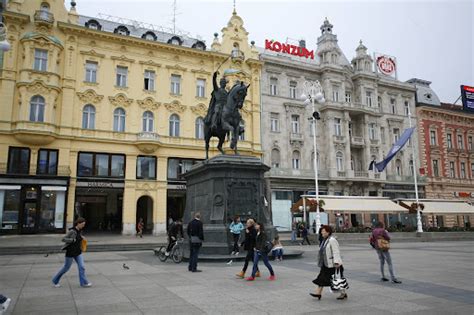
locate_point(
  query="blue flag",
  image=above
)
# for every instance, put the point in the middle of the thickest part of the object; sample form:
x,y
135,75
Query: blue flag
x,y
380,166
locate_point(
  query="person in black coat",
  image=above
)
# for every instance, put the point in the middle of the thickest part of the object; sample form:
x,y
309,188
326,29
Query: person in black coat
x,y
304,235
261,252
176,228
249,244
196,237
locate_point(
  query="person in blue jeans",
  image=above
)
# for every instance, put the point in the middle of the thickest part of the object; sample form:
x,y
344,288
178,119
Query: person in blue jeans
x,y
260,252
236,228
277,250
73,240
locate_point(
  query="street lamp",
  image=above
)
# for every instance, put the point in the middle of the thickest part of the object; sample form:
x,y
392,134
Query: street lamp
x,y
419,225
312,91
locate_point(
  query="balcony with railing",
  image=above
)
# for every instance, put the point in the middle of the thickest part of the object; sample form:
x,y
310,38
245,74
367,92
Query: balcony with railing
x,y
361,174
357,141
338,138
297,173
148,142
296,136
44,17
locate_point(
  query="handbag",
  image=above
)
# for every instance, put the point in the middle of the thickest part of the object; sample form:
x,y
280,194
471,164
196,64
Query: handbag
x,y
83,245
195,239
338,283
383,244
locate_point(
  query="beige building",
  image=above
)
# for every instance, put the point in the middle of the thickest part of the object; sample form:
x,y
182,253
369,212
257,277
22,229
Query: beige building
x,y
100,118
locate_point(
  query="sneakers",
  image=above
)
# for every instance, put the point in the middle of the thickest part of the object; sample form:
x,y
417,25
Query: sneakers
x,y
167,254
272,278
232,254
384,279
5,305
87,285
250,279
257,275
240,275
237,254
56,285
396,281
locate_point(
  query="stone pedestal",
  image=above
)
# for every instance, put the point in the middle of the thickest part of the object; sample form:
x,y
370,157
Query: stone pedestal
x,y
221,188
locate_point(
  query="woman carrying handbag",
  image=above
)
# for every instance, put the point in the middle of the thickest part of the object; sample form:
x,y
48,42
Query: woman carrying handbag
x,y
329,259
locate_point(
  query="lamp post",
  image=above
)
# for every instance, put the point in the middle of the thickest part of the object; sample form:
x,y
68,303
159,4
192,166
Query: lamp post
x,y
419,226
312,91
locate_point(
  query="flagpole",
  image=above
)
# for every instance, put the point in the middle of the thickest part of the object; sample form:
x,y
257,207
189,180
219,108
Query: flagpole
x,y
419,226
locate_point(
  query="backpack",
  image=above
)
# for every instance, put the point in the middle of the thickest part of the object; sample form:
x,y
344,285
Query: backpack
x,y
267,247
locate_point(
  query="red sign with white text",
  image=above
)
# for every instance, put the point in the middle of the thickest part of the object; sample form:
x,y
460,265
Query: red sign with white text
x,y
288,49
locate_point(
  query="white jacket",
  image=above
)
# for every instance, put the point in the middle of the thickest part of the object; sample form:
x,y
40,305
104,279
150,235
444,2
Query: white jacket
x,y
333,255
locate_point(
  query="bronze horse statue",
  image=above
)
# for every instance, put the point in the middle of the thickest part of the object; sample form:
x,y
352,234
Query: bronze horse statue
x,y
228,122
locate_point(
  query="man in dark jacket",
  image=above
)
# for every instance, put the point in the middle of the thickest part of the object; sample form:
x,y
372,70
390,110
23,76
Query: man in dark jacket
x,y
175,229
196,237
304,234
249,245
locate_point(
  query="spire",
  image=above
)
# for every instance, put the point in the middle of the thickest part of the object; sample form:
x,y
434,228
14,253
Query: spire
x,y
361,50
326,28
235,11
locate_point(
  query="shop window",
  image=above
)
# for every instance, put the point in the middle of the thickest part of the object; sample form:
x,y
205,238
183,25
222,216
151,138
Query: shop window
x,y
52,208
9,207
146,167
47,162
100,165
18,160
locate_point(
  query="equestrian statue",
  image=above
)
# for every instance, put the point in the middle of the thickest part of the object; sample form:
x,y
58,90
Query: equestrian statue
x,y
223,117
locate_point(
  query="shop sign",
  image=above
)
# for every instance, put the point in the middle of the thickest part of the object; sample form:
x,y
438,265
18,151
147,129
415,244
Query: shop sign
x,y
177,187
464,194
467,95
294,50
100,184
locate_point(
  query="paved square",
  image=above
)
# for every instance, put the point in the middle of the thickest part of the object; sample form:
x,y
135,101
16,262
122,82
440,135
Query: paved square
x,y
437,279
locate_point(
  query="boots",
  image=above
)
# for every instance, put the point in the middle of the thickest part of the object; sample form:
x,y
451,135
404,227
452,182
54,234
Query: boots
x,y
240,275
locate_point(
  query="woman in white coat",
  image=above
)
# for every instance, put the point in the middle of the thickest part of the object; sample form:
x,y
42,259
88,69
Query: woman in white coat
x,y
329,259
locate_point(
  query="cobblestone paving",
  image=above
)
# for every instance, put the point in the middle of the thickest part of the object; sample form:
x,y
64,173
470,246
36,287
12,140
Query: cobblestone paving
x,y
437,279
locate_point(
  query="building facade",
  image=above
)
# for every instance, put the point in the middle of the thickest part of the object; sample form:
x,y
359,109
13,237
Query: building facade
x,y
100,117
363,115
447,150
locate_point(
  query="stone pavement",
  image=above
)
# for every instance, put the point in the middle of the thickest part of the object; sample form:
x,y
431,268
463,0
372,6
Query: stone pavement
x,y
437,279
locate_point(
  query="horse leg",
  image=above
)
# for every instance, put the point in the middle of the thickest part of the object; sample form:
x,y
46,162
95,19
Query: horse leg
x,y
207,138
221,141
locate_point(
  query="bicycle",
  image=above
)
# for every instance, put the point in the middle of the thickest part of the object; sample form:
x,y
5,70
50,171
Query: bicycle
x,y
176,253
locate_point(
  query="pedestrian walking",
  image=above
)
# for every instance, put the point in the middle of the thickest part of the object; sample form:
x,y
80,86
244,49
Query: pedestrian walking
x,y
304,235
74,248
262,247
380,241
314,226
196,237
249,245
329,259
236,228
277,250
140,226
293,232
4,303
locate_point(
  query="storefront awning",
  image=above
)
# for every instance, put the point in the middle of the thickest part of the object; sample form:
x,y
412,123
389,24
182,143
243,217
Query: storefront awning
x,y
354,204
440,206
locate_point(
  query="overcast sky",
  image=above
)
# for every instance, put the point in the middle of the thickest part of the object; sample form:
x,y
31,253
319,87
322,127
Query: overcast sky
x,y
432,40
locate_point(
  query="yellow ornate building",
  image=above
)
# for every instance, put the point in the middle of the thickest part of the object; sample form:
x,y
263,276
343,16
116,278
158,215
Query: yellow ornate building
x,y
100,118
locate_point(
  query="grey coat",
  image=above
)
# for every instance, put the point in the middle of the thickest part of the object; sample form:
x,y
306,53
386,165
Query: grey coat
x,y
331,254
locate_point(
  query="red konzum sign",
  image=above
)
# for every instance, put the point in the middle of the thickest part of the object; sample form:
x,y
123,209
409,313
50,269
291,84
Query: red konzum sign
x,y
288,49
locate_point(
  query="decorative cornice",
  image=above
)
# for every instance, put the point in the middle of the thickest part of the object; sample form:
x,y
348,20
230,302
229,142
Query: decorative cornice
x,y
201,71
148,103
120,100
92,53
175,106
150,63
176,67
199,109
90,96
38,87
122,58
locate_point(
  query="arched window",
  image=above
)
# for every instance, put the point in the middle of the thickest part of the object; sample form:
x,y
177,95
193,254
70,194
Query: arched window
x,y
149,36
88,117
398,167
275,158
242,130
119,120
37,108
122,30
199,128
148,121
93,25
174,125
296,160
339,162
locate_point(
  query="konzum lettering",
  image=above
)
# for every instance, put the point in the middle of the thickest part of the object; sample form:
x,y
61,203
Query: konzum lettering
x,y
288,49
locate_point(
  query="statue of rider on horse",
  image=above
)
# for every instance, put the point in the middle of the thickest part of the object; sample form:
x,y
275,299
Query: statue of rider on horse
x,y
223,116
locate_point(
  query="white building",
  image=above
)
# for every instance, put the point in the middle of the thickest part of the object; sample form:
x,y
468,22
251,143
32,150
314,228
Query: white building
x,y
364,113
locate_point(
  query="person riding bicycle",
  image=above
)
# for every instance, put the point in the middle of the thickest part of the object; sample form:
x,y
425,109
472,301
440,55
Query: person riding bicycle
x,y
175,229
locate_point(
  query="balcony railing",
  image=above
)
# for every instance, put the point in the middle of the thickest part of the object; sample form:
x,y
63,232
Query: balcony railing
x,y
377,175
341,174
296,136
298,173
44,16
148,136
339,138
357,140
361,174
